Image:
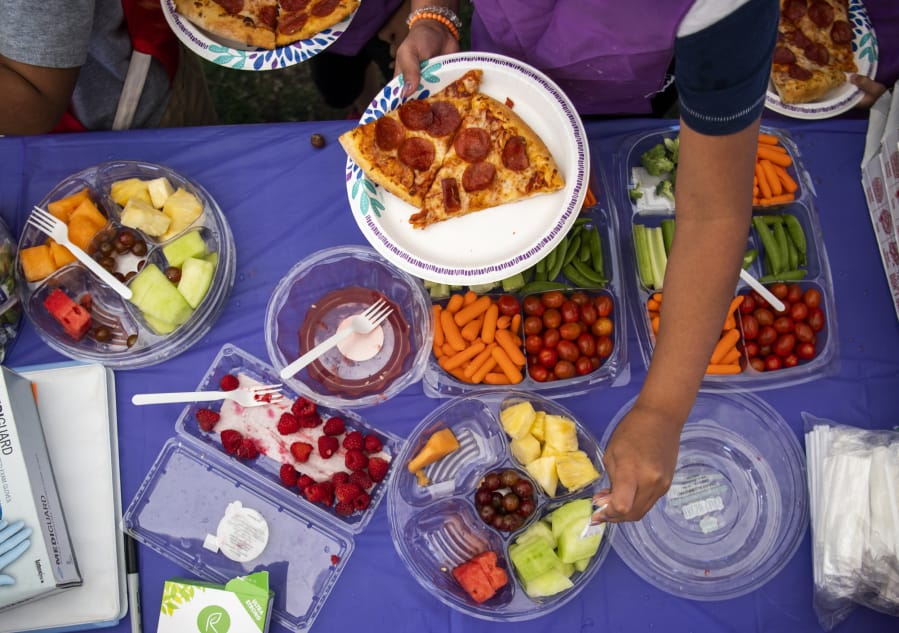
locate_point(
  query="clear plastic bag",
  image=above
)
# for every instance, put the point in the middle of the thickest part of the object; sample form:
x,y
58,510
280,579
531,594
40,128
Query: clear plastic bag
x,y
853,477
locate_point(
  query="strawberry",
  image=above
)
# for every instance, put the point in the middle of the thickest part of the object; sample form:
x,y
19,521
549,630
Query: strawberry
x,y
334,426
344,508
303,408
377,468
361,501
300,451
340,477
288,474
207,419
288,423
303,482
355,459
247,449
231,440
353,439
345,493
327,446
229,382
372,444
361,479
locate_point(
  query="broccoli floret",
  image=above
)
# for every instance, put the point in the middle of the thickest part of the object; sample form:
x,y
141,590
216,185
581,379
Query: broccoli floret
x,y
636,193
665,189
655,161
672,145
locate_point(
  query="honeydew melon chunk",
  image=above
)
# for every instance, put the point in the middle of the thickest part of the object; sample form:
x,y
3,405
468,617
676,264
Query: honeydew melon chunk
x,y
576,511
141,215
190,244
548,584
517,419
196,277
159,189
158,298
534,558
539,529
573,547
160,327
213,258
581,563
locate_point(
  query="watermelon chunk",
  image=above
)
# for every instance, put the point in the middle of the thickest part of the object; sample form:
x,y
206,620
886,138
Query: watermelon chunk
x,y
74,319
480,577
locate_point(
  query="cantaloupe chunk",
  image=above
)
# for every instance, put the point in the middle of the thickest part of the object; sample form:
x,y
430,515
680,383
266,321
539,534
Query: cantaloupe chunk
x,y
63,207
61,255
37,262
81,231
89,210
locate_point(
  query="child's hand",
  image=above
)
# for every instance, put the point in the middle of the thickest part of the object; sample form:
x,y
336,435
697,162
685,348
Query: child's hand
x,y
871,88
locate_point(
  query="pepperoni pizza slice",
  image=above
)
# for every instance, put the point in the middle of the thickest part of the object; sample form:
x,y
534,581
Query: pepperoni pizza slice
x,y
402,150
495,158
251,22
301,19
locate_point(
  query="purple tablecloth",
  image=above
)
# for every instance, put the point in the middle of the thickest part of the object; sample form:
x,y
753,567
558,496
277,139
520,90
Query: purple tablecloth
x,y
284,199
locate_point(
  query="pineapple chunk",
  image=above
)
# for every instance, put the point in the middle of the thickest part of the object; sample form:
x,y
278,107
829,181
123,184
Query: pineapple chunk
x,y
140,215
517,419
121,191
543,471
525,449
159,189
551,451
183,208
576,470
560,433
538,425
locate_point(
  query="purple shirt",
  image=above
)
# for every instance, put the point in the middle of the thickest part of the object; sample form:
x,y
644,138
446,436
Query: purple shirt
x,y
369,18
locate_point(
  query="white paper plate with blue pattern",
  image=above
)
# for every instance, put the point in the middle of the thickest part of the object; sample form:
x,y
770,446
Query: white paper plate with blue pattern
x,y
231,54
495,243
838,100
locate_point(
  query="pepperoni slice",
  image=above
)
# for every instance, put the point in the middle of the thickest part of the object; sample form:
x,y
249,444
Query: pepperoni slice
x,y
472,144
417,153
478,176
515,154
292,24
783,55
446,119
799,39
800,73
269,16
841,32
821,13
324,8
817,53
450,189
416,115
388,134
233,7
293,5
794,10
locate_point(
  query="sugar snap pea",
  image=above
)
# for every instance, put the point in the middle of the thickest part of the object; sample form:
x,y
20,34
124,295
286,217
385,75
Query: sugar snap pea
x,y
594,241
749,256
574,246
795,274
542,286
780,236
792,255
560,251
575,277
587,272
794,228
772,252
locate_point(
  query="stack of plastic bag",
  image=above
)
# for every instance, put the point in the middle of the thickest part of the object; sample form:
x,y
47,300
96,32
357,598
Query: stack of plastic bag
x,y
853,477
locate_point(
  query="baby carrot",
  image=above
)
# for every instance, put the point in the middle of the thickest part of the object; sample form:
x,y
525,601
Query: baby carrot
x,y
451,331
727,341
654,322
781,199
438,350
506,340
448,350
494,378
657,296
733,368
768,139
652,305
505,363
488,328
438,327
472,330
516,323
478,361
772,148
778,158
469,297
489,365
764,187
465,355
472,310
771,176
502,323
733,356
786,180
589,198
455,302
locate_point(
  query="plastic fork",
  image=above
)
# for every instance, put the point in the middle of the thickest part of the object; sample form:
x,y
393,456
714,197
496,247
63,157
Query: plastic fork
x,y
361,323
244,396
50,225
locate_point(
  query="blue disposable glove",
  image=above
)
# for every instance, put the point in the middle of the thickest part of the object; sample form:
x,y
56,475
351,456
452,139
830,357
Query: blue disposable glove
x,y
13,543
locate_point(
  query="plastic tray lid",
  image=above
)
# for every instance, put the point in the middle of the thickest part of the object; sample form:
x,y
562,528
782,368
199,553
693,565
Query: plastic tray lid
x,y
189,497
737,509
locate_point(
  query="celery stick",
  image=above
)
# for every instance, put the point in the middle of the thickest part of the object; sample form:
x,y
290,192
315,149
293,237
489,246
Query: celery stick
x,y
668,233
657,255
641,249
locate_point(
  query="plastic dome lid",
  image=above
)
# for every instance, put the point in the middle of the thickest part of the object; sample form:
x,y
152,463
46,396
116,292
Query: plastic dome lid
x,y
737,508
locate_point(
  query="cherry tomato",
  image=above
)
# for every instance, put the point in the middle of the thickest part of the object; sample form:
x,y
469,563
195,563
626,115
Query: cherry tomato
x,y
539,373
583,366
586,344
765,350
794,293
785,345
552,318
773,362
806,351
533,306
783,324
570,311
767,336
604,346
804,333
551,337
816,319
748,305
548,357
604,305
603,327
564,369
508,305
812,298
568,350
532,325
589,314
760,301
580,298
764,316
570,331
553,298
779,290
595,362
751,349
791,361
798,311
533,344
750,327
757,363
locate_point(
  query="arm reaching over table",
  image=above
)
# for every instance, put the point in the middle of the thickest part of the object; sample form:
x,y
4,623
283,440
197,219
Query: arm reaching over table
x,y
35,97
430,34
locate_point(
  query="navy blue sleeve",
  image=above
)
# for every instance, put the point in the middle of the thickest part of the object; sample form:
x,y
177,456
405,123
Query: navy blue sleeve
x,y
722,71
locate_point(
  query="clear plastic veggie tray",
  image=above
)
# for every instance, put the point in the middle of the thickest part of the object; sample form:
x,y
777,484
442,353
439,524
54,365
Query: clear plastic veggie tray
x,y
586,263
153,326
785,251
445,511
222,506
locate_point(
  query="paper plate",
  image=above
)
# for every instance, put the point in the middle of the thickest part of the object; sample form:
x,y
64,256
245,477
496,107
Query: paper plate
x,y
231,54
838,100
495,243
736,511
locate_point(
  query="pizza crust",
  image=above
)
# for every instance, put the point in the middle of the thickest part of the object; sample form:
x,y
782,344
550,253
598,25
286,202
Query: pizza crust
x,y
793,91
314,24
241,28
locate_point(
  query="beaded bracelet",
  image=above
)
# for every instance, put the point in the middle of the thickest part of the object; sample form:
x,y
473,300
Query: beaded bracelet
x,y
445,16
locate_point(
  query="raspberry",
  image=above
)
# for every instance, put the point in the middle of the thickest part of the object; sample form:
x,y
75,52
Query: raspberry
x,y
207,419
303,408
288,424
372,444
335,559
334,426
304,481
328,487
247,449
377,468
231,440
355,459
310,421
344,508
353,440
327,446
340,477
345,493
229,382
300,451
316,493
361,479
361,501
289,475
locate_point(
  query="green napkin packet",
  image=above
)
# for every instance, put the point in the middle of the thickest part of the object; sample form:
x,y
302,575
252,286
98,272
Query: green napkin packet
x,y
243,605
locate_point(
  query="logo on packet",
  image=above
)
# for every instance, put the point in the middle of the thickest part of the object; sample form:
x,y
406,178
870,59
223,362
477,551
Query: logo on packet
x,y
213,619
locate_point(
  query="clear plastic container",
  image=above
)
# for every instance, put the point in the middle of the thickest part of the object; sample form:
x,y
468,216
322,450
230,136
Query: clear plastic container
x,y
129,341
10,307
317,295
818,275
737,509
613,370
193,482
436,527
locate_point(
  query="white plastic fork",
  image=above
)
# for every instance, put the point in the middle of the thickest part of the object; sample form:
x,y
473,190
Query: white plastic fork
x,y
244,396
361,323
50,225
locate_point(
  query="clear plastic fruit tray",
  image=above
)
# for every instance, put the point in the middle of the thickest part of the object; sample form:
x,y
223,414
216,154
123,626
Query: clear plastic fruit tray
x,y
613,370
817,273
127,340
436,527
10,306
194,484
